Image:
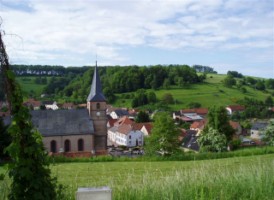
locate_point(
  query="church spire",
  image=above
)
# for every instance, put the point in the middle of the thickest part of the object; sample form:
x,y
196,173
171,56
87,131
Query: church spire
x,y
96,94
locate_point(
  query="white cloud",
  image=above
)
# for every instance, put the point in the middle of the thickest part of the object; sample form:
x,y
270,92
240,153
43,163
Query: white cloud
x,y
58,29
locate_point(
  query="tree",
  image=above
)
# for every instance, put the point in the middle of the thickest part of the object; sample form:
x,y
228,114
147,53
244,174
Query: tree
x,y
29,171
142,116
166,84
269,133
151,97
218,120
212,140
168,98
269,101
5,139
229,81
164,136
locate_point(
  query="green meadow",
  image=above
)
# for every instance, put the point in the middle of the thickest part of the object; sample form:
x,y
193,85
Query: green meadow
x,y
28,85
209,93
249,177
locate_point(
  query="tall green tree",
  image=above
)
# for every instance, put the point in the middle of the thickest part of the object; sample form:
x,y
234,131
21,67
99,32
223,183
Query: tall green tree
x,y
269,133
229,81
5,139
164,136
219,120
29,171
142,116
212,140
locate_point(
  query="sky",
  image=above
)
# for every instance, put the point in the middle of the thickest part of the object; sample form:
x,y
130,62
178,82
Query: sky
x,y
235,35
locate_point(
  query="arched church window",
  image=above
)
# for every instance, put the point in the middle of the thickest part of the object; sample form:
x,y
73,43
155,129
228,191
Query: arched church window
x,y
67,145
53,146
80,145
98,106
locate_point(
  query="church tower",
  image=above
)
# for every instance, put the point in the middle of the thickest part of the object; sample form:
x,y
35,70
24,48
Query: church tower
x,y
96,105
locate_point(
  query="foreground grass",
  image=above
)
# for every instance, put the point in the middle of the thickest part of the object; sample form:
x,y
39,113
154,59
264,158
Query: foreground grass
x,y
249,177
234,178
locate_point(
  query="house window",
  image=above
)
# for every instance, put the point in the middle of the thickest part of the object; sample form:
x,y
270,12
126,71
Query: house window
x,y
67,145
129,137
98,106
53,146
80,145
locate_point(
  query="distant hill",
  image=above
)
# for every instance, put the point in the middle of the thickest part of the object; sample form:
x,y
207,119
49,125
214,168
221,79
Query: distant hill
x,y
181,81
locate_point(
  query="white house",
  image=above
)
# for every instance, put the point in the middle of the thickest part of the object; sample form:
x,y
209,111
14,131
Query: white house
x,y
126,135
257,130
51,105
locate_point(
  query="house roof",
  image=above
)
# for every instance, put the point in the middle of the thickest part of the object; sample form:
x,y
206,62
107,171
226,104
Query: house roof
x,y
190,140
96,94
234,125
123,120
111,122
199,111
259,126
62,122
68,105
32,102
236,108
121,112
198,124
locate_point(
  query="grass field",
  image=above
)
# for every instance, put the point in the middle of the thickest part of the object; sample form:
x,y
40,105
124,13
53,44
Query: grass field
x,y
212,92
29,86
249,177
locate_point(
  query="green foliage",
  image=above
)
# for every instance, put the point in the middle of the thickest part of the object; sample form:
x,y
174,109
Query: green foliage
x,y
260,85
235,74
5,139
29,172
142,116
164,136
269,133
194,105
218,120
141,98
110,96
269,101
168,98
229,81
211,140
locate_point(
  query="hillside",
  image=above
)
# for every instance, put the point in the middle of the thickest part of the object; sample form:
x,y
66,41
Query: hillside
x,y
210,92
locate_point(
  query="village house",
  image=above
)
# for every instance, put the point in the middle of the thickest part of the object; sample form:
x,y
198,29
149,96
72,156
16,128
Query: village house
x,y
234,108
190,115
116,114
68,106
126,132
32,104
198,126
50,105
257,130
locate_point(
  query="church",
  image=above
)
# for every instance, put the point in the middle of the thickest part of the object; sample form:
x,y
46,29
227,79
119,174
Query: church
x,y
79,132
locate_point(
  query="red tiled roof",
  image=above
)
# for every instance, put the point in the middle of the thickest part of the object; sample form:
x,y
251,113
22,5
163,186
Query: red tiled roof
x,y
236,108
111,122
123,120
32,102
68,105
198,124
234,125
124,129
199,111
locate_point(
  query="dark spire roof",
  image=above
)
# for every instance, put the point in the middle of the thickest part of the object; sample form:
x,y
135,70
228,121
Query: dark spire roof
x,y
96,93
